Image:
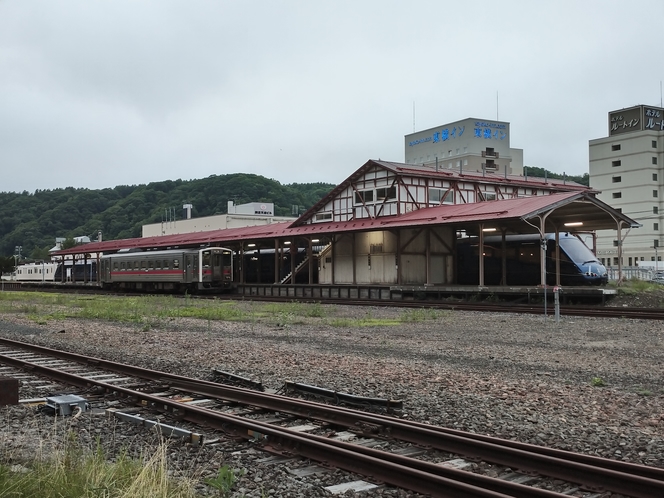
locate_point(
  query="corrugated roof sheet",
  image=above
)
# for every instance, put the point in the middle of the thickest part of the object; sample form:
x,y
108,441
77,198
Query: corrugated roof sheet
x,y
509,209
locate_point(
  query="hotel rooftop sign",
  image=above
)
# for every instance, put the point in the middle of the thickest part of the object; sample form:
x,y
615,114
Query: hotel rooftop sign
x,y
637,118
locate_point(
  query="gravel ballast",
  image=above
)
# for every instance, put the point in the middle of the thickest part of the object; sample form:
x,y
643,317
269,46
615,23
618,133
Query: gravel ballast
x,y
582,384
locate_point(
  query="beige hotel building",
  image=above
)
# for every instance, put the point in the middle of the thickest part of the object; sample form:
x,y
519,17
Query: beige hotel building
x,y
626,166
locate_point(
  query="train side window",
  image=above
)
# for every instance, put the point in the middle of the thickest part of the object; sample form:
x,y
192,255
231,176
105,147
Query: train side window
x,y
143,265
157,265
166,263
176,263
150,265
122,266
115,265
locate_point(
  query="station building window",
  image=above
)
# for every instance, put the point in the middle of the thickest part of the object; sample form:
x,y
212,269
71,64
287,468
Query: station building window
x,y
323,216
386,193
364,196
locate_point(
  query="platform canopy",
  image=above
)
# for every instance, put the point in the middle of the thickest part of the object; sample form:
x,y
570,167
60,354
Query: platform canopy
x,y
569,211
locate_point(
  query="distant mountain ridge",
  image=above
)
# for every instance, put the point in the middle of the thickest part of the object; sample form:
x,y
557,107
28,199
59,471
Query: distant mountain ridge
x,y
33,221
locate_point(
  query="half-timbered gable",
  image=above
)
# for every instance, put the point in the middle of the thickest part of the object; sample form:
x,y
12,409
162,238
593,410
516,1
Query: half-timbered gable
x,y
381,188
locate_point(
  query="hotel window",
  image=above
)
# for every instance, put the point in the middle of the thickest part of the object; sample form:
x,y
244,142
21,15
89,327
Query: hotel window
x,y
616,179
615,147
654,177
465,162
655,210
617,195
616,163
654,144
655,226
654,160
654,193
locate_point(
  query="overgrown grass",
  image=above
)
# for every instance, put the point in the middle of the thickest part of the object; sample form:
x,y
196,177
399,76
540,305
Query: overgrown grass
x,y
637,286
149,311
74,472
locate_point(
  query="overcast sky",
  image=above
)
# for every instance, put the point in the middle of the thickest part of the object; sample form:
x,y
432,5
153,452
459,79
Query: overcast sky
x,y
103,93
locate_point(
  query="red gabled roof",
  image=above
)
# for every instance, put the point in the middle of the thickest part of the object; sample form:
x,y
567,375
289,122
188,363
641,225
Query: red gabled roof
x,y
589,208
422,171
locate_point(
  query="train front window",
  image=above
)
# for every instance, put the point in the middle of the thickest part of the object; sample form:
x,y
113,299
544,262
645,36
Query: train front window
x,y
577,251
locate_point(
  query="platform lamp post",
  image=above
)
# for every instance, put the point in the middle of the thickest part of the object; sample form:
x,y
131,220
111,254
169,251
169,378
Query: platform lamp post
x,y
655,246
17,257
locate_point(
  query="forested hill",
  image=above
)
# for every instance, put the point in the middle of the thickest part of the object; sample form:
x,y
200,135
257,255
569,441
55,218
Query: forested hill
x,y
544,173
33,221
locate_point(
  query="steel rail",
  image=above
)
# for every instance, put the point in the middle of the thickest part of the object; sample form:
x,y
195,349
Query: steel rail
x,y
597,472
397,470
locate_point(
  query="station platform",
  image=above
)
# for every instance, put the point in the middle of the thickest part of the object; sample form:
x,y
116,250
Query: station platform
x,y
425,292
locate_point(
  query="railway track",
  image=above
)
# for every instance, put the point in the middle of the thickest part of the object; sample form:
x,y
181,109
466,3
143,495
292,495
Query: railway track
x,y
382,448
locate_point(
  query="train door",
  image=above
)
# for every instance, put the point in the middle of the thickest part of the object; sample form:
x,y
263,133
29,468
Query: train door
x,y
189,268
106,270
216,267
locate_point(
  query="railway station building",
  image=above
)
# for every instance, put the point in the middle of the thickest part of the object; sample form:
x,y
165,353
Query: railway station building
x,y
395,224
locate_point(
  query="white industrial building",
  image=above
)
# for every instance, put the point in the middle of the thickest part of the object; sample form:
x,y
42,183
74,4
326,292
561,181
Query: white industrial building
x,y
626,166
244,215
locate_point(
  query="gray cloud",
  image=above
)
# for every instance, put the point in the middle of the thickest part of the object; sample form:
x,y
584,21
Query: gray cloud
x,y
96,94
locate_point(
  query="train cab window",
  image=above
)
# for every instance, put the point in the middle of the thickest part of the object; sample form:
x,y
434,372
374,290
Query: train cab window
x,y
176,264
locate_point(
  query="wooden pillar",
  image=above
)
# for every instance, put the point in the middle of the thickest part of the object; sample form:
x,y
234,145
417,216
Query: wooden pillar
x,y
332,263
427,251
277,261
397,257
481,255
353,257
503,248
310,259
557,256
293,254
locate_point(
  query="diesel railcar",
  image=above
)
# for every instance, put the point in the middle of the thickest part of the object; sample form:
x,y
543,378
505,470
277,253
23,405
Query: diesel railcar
x,y
578,265
36,272
170,270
